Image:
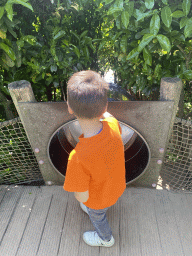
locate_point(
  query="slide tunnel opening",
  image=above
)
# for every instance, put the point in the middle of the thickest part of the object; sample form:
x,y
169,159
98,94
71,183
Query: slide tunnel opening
x,y
65,138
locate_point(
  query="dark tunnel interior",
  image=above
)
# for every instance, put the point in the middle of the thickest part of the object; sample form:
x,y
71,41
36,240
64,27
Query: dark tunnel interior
x,y
135,150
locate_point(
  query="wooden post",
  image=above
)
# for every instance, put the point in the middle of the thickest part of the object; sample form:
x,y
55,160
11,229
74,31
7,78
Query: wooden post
x,y
21,91
170,90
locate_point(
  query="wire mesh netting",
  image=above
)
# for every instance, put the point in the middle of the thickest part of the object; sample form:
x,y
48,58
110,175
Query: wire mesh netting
x,y
176,173
18,164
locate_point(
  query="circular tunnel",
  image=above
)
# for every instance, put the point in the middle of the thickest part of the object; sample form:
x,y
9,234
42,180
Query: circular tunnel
x,y
136,149
64,140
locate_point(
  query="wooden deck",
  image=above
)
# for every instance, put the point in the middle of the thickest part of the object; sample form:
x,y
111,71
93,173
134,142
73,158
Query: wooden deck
x,y
48,221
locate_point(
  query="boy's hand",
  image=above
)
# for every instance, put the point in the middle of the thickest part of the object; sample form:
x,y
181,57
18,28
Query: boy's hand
x,y
82,196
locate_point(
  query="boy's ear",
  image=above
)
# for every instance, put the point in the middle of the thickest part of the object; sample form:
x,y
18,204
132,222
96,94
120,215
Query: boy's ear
x,y
69,109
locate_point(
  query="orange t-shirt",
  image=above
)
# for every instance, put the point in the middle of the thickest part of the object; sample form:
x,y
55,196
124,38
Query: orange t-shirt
x,y
97,164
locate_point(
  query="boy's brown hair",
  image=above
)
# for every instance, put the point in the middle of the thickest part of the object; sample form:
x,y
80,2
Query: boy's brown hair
x,y
87,94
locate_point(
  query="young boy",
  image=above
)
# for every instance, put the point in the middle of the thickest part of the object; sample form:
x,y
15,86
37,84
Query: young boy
x,y
96,166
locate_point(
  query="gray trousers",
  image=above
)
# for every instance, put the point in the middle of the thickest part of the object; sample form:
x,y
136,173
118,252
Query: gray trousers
x,y
99,221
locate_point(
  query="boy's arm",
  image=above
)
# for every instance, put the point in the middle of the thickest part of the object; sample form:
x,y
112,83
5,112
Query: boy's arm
x,y
82,196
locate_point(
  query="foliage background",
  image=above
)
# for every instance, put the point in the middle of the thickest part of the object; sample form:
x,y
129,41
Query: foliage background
x,y
45,42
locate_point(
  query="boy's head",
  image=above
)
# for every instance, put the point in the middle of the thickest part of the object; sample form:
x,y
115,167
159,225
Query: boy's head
x,y
87,94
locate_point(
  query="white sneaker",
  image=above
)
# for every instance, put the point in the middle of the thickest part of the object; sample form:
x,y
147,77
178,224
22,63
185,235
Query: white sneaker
x,y
83,207
92,238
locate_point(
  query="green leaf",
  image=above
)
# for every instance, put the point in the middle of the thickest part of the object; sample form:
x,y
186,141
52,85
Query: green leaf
x,y
108,1
12,32
164,42
155,24
49,80
117,6
59,35
125,18
8,50
118,3
123,44
76,50
166,16
83,33
75,34
149,4
188,28
1,12
183,22
22,2
130,8
2,34
29,39
132,54
20,43
86,51
140,15
176,36
92,47
116,14
145,40
147,57
164,1
9,9
118,22
18,59
186,5
8,61
101,45
3,64
56,30
113,9
188,74
114,38
177,14
157,70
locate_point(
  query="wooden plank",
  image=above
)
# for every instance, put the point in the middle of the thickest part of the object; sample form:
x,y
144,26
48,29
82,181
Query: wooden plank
x,y
7,208
183,206
140,234
86,225
113,217
149,235
50,240
71,240
167,226
3,190
18,222
142,221
36,223
129,226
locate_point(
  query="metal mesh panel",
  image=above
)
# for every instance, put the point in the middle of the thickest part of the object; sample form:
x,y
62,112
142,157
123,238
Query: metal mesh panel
x,y
17,160
176,173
